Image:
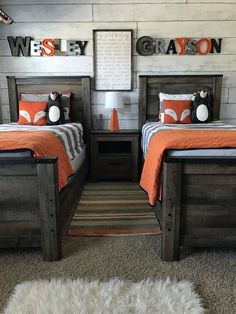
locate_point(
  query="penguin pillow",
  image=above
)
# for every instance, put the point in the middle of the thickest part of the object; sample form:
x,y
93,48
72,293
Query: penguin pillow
x,y
55,111
202,108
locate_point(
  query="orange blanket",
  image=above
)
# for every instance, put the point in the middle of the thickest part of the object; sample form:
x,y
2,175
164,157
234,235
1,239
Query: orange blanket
x,y
43,144
178,139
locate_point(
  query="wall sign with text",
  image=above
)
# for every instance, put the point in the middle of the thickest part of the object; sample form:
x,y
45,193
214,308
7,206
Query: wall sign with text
x,y
28,47
112,50
147,46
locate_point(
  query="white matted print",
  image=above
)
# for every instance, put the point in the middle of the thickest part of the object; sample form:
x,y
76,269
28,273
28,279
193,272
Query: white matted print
x,y
112,59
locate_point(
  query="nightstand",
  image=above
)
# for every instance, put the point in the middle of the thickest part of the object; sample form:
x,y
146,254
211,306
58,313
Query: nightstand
x,y
114,155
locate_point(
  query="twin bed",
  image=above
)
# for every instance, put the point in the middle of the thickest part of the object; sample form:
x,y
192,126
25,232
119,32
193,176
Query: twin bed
x,y
198,205
33,210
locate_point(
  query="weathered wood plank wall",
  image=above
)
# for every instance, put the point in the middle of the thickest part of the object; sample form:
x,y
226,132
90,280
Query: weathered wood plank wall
x,y
75,19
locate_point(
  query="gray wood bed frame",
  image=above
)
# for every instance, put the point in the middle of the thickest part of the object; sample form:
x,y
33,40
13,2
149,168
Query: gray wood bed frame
x,y
32,211
199,194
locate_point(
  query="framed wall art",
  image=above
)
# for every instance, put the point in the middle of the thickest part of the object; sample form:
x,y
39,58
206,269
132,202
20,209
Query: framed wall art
x,y
112,59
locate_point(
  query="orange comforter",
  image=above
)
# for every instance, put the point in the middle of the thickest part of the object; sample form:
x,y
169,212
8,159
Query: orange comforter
x,y
178,139
43,144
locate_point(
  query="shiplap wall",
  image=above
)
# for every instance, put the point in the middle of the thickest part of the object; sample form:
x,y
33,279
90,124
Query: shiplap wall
x,y
75,19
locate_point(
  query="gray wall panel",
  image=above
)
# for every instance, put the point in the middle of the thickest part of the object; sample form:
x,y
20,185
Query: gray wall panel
x,y
165,12
76,19
10,2
4,48
78,65
75,30
49,13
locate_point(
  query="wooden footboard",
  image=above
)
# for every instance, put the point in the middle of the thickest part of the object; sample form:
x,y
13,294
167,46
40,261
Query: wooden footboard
x,y
29,205
199,204
32,211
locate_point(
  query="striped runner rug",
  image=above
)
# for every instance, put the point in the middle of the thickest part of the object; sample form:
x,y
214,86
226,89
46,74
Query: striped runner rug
x,y
113,208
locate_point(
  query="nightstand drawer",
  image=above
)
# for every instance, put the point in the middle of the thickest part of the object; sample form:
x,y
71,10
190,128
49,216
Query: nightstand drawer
x,y
114,166
114,155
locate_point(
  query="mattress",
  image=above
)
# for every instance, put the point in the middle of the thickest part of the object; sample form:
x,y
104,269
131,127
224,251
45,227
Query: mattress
x,y
78,160
151,128
69,134
16,153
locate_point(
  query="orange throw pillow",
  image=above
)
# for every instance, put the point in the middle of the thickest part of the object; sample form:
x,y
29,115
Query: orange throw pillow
x,y
33,113
177,111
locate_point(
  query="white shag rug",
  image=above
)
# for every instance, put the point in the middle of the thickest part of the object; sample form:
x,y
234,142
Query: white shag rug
x,y
97,297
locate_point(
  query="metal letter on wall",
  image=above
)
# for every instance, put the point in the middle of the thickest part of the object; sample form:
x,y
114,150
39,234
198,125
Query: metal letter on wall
x,y
19,45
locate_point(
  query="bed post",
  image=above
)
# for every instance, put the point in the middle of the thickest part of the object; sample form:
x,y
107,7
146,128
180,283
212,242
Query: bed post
x,y
217,86
49,209
142,100
170,245
13,100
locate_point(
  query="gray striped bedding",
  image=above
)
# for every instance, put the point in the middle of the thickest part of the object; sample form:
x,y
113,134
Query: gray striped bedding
x,y
69,134
151,128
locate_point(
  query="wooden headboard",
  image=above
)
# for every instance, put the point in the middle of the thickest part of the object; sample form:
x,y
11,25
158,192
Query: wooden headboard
x,y
79,86
150,85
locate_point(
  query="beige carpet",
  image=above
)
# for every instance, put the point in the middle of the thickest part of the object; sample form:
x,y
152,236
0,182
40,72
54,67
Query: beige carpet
x,y
113,208
134,257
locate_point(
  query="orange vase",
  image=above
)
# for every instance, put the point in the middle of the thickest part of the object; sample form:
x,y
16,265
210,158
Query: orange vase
x,y
114,123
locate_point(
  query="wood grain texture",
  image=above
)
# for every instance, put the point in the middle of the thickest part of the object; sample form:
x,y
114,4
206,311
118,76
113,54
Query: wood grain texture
x,y
114,155
193,28
199,194
4,48
211,1
165,12
10,2
78,86
70,196
151,85
49,211
232,95
214,64
128,113
171,210
206,204
33,212
64,30
43,13
78,65
157,18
